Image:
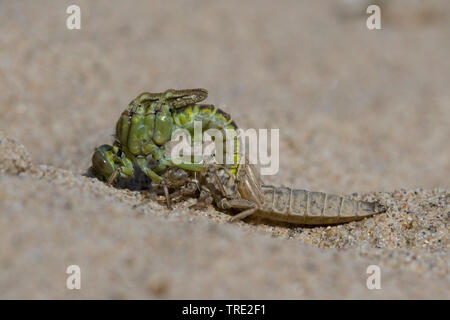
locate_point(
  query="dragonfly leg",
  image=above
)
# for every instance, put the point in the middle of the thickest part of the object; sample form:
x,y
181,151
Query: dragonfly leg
x,y
196,167
167,195
113,177
246,205
143,165
242,204
243,214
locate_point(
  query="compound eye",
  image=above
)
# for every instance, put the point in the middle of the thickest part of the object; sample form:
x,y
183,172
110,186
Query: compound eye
x,y
100,160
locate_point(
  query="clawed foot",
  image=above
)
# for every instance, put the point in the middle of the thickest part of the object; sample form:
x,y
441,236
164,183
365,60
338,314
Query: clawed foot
x,y
184,192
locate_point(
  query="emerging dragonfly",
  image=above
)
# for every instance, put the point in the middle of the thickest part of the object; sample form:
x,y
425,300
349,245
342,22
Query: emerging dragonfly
x,y
142,134
144,129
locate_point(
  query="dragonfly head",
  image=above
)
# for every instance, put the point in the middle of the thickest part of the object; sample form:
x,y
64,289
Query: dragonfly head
x,y
109,163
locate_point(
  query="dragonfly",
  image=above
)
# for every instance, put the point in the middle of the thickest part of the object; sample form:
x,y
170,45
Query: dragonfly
x,y
143,132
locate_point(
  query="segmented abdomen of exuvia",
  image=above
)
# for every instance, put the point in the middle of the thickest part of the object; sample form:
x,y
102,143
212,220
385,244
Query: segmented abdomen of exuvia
x,y
307,207
212,117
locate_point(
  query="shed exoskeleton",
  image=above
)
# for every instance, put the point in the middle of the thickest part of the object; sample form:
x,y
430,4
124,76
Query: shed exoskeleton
x,y
246,194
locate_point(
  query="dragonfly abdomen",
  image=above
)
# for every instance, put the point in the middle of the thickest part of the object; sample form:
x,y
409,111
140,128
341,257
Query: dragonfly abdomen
x,y
212,117
307,207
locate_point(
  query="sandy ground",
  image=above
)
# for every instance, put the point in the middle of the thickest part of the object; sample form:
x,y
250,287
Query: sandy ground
x,y
358,111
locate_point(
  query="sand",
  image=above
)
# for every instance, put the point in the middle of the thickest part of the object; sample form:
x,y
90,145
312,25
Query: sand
x,y
362,113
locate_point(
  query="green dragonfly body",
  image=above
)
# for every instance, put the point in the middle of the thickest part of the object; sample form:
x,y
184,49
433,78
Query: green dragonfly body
x,y
145,127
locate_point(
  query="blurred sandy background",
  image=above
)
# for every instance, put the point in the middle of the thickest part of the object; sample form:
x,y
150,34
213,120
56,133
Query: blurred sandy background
x,y
358,111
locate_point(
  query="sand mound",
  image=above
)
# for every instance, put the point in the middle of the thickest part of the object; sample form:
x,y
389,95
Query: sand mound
x,y
14,158
130,247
